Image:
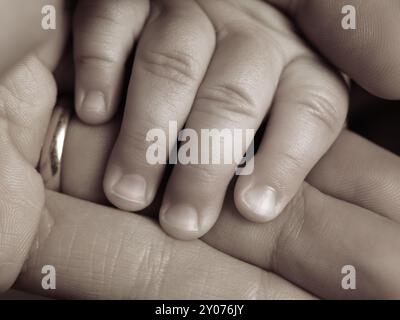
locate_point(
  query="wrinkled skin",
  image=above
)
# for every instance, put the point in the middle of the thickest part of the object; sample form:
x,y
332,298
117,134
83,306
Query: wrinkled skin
x,y
101,252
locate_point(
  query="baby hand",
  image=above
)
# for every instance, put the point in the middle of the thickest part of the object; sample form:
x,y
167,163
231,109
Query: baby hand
x,y
205,64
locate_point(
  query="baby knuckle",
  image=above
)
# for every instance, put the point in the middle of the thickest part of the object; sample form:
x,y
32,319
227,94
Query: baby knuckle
x,y
229,101
322,108
178,67
100,59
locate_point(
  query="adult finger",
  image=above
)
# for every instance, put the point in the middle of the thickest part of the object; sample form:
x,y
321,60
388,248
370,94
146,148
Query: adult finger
x,y
85,160
311,241
103,253
342,173
369,53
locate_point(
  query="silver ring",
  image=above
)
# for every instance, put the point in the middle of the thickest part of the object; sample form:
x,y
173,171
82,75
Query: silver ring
x,y
52,151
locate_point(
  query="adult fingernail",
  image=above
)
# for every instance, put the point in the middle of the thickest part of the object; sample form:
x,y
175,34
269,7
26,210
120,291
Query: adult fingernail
x,y
180,218
262,201
130,187
94,102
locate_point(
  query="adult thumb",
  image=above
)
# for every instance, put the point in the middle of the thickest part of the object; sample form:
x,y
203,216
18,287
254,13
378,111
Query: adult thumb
x,y
27,95
367,50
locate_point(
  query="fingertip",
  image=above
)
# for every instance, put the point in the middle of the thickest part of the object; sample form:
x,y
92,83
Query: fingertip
x,y
257,202
91,107
180,221
128,192
184,221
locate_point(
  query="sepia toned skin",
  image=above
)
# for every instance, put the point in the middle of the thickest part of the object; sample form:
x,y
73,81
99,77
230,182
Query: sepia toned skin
x,y
23,203
308,244
173,53
16,38
372,64
207,64
101,252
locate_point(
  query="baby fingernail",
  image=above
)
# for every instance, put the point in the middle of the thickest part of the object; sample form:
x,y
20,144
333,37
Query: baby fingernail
x,y
262,200
130,187
183,218
94,101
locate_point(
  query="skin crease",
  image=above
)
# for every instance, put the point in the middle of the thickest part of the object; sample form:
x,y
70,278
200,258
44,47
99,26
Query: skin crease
x,y
373,64
193,65
93,258
27,88
20,196
52,248
375,68
309,227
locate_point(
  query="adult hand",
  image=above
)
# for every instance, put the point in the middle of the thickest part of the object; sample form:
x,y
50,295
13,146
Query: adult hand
x,y
100,252
27,96
369,54
105,253
131,254
21,29
19,155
